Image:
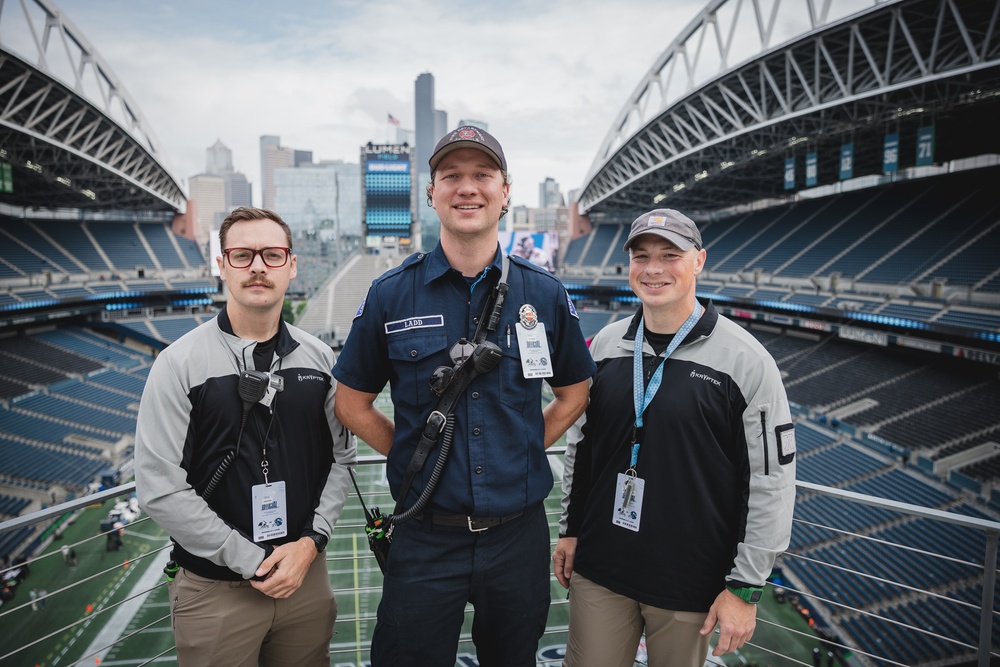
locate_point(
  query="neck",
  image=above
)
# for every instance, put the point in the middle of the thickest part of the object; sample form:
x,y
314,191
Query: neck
x,y
667,320
469,256
253,326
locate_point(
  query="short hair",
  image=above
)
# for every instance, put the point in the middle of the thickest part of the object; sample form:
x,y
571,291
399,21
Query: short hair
x,y
506,181
248,213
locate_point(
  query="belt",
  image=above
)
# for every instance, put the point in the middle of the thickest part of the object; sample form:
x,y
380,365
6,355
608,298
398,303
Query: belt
x,y
476,524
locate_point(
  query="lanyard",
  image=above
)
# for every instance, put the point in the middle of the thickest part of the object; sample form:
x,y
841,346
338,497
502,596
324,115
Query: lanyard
x,y
643,398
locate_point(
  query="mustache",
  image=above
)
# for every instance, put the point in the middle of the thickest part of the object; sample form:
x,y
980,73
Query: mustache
x,y
257,281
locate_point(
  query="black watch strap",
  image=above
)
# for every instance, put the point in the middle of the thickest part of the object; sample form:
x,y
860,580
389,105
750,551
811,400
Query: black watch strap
x,y
320,540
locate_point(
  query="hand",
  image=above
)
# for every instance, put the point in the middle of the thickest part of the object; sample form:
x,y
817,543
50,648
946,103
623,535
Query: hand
x,y
285,569
736,620
562,559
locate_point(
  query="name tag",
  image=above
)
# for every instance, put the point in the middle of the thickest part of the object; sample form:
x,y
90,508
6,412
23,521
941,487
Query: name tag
x,y
270,511
534,347
410,323
628,502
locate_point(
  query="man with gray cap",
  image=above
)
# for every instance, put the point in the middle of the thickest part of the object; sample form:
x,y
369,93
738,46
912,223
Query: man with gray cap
x,y
680,478
465,335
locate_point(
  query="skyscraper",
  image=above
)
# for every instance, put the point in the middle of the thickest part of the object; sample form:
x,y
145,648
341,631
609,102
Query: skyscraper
x,y
549,195
217,191
423,108
272,156
218,159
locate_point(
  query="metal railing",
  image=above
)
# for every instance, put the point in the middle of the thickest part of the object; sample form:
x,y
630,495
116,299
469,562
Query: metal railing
x,y
772,637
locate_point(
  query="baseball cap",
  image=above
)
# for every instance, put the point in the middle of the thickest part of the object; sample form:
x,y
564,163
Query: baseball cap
x,y
468,136
672,225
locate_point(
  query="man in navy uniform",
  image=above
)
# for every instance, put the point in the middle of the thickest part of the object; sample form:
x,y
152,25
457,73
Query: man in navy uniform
x,y
483,536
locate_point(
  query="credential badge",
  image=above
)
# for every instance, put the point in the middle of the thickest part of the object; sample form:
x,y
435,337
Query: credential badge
x,y
528,316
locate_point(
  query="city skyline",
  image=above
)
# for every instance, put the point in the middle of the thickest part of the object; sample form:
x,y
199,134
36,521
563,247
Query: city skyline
x,y
305,72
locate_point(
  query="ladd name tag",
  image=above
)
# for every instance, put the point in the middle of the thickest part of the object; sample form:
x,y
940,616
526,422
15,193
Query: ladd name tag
x,y
270,511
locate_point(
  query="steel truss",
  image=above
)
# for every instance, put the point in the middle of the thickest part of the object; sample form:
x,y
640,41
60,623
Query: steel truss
x,y
77,140
723,140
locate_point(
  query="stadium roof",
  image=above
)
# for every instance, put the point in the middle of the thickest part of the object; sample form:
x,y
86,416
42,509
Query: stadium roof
x,y
69,130
744,88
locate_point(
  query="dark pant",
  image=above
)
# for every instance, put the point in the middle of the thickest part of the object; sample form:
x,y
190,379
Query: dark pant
x,y
434,571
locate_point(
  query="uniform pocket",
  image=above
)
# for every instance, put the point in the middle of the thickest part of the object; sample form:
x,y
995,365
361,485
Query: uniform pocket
x,y
418,356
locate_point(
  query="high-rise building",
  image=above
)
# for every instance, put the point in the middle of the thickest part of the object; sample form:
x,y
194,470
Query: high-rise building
x,y
217,191
272,156
324,197
549,195
218,159
208,191
423,111
440,126
237,190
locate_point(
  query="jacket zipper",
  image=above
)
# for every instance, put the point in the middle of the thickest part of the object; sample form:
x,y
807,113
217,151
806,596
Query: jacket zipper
x,y
767,458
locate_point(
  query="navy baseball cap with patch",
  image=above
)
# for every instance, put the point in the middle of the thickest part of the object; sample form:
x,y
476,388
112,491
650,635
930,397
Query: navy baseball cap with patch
x,y
468,136
672,225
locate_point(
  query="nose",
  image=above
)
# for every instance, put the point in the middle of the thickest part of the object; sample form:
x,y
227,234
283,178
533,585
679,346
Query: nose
x,y
258,265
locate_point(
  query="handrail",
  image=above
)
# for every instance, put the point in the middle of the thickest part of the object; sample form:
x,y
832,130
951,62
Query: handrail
x,y
868,655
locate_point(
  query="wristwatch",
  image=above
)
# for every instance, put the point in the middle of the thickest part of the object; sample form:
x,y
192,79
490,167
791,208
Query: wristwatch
x,y
320,541
751,594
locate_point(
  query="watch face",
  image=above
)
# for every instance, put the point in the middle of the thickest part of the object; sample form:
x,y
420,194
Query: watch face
x,y
755,596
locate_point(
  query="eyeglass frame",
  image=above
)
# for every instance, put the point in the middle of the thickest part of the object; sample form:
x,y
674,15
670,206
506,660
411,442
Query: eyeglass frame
x,y
259,251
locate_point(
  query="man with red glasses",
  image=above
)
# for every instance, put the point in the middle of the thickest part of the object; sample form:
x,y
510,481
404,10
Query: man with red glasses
x,y
239,456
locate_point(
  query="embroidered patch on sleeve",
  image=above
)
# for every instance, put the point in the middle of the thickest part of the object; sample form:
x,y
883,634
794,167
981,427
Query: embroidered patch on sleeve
x,y
572,308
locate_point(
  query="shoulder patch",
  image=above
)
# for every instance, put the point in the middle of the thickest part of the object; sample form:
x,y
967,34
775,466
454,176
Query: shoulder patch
x,y
572,308
361,308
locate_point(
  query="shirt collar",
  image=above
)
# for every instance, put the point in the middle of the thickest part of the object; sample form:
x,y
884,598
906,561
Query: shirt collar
x,y
703,328
438,266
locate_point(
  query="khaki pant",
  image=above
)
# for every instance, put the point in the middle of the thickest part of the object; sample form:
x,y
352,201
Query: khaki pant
x,y
604,630
231,623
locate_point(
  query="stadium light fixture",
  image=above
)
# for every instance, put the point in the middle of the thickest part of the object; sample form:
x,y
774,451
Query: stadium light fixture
x,y
726,164
658,198
701,175
679,186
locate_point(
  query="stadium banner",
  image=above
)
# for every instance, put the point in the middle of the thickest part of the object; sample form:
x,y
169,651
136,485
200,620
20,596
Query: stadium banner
x,y
6,178
790,173
925,146
890,154
539,248
812,167
864,336
846,162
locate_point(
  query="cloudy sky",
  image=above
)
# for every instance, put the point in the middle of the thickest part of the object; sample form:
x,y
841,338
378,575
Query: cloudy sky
x,y
548,77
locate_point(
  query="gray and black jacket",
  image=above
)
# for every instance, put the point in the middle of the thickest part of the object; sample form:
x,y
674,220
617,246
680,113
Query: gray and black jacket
x,y
717,456
189,419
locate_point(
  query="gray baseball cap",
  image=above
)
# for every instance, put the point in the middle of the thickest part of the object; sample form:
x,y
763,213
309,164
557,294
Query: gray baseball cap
x,y
469,136
672,225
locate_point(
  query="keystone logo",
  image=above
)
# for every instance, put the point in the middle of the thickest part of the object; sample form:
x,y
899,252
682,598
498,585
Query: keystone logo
x,y
701,376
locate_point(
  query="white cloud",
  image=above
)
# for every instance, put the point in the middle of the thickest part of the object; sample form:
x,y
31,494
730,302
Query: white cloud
x,y
549,78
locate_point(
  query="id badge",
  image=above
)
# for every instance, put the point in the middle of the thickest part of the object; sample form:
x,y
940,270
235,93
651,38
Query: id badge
x,y
534,347
270,511
628,502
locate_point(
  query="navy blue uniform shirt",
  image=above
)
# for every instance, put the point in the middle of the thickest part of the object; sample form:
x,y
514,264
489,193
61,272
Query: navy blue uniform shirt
x,y
404,329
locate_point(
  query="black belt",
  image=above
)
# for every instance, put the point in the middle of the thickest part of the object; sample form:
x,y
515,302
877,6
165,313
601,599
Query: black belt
x,y
476,524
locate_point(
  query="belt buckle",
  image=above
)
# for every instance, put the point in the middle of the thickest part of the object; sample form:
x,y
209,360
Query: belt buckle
x,y
476,530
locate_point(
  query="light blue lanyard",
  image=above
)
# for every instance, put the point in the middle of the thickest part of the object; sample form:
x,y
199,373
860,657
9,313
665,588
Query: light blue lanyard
x,y
642,397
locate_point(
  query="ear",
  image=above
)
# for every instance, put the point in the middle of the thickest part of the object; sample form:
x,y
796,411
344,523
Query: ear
x,y
699,261
221,261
